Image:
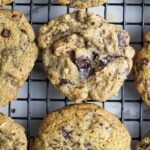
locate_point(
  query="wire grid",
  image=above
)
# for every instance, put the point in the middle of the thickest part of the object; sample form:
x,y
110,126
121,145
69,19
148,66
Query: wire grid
x,y
122,101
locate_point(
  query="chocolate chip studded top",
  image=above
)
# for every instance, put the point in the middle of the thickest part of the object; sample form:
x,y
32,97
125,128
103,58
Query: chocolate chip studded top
x,y
142,71
144,144
18,53
82,3
82,127
12,135
4,2
85,57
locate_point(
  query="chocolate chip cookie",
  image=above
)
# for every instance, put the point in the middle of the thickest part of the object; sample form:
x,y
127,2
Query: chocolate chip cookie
x,y
12,135
4,2
142,71
18,53
144,144
85,56
82,3
82,127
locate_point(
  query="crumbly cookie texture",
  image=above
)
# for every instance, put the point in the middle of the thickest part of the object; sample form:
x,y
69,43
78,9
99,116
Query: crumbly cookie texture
x,y
144,144
82,3
142,71
85,57
82,127
12,135
18,53
5,2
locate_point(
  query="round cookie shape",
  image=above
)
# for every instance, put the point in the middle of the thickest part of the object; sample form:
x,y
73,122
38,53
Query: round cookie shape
x,y
144,144
5,2
18,53
85,56
82,126
142,71
12,135
82,3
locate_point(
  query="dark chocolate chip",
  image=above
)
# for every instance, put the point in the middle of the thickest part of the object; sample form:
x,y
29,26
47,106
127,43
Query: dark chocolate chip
x,y
66,134
72,55
88,146
64,82
5,33
23,31
104,61
85,67
94,55
121,39
143,62
144,145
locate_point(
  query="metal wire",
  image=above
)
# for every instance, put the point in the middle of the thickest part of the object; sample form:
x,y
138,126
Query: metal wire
x,y
124,23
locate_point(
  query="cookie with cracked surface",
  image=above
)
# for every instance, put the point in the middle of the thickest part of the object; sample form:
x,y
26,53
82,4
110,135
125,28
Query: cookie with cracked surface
x,y
82,3
12,135
18,53
142,71
82,127
5,2
85,56
144,144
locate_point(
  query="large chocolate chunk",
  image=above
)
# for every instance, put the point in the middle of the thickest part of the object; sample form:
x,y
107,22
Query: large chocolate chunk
x,y
121,39
85,67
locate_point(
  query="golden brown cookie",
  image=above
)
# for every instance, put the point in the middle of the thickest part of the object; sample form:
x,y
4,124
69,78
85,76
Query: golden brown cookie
x,y
85,56
12,135
144,144
142,71
82,127
82,3
5,2
18,53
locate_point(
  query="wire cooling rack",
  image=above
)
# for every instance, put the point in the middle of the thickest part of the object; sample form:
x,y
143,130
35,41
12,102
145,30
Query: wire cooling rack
x,y
38,97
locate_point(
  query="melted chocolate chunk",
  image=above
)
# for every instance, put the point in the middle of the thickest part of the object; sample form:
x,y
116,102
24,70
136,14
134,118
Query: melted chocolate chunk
x,y
121,39
64,82
23,31
103,62
85,67
5,33
143,62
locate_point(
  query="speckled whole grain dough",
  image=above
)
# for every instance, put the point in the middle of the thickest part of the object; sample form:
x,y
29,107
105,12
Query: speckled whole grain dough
x,y
82,3
12,135
82,127
144,144
4,2
85,57
18,53
142,71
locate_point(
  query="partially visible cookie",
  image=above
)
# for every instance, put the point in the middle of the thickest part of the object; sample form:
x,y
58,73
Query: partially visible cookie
x,y
144,144
85,56
142,71
18,52
12,135
82,3
82,127
5,2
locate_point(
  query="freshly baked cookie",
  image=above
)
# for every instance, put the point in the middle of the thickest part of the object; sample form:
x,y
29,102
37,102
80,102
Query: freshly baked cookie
x,y
4,2
144,144
82,127
85,56
18,53
12,135
142,71
82,3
